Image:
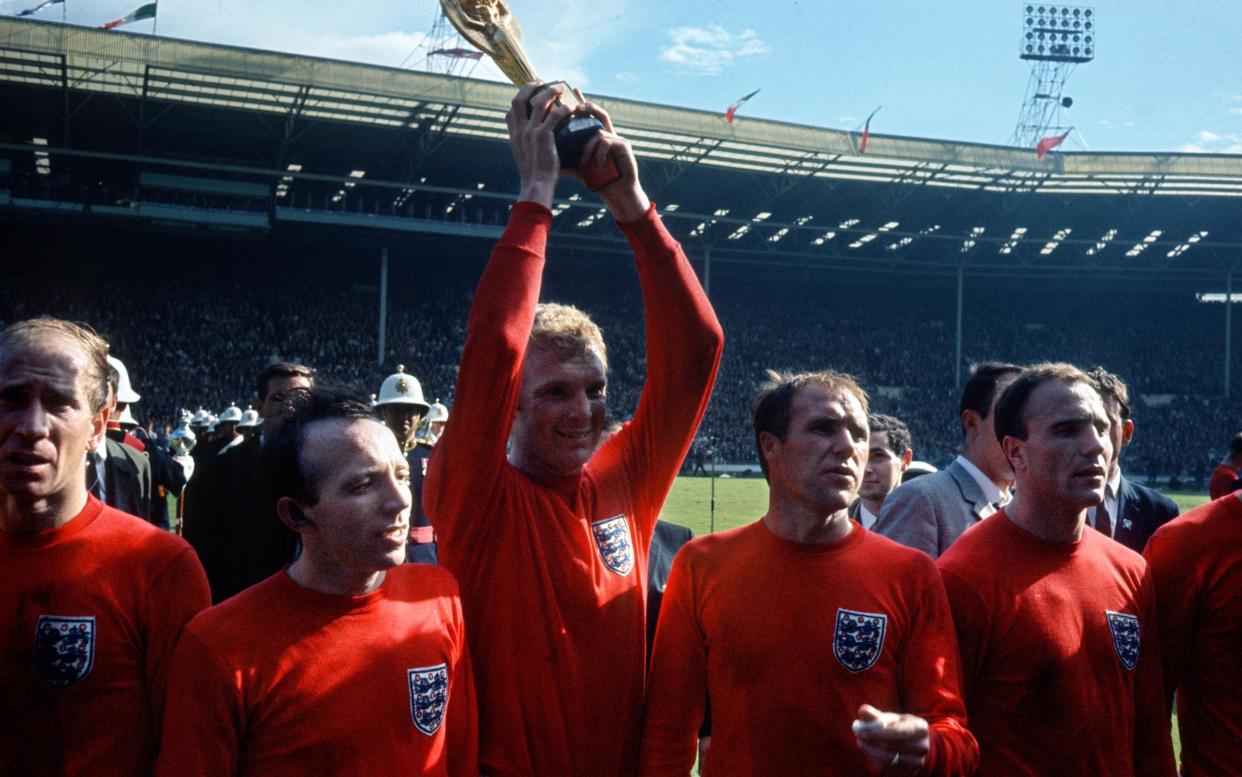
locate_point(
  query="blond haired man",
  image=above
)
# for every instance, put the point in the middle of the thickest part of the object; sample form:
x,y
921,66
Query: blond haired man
x,y
549,544
92,600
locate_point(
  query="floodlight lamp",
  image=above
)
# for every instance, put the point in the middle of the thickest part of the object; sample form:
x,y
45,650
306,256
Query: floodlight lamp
x,y
1087,12
1030,8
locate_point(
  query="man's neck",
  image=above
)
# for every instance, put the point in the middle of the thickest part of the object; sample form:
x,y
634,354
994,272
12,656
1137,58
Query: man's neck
x,y
1059,523
873,505
1003,482
327,577
40,515
798,522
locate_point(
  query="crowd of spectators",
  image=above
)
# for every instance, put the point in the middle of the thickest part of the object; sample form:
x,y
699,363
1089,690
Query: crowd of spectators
x,y
196,336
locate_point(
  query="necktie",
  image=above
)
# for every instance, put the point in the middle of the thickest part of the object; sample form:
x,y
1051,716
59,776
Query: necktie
x,y
1102,521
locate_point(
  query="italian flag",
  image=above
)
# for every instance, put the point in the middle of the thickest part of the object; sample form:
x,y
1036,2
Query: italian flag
x,y
143,12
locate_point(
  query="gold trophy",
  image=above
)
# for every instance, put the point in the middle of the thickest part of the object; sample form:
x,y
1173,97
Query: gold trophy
x,y
492,28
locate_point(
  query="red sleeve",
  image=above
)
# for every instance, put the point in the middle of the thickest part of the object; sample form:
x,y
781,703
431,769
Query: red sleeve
x,y
930,682
203,715
677,683
971,625
176,594
462,736
684,343
471,453
1153,744
1174,607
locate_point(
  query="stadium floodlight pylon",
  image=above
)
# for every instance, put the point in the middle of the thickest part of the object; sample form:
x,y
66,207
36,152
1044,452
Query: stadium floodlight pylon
x,y
1055,40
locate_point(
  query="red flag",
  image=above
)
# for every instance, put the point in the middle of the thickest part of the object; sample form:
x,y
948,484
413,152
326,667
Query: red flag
x,y
1047,144
866,133
733,108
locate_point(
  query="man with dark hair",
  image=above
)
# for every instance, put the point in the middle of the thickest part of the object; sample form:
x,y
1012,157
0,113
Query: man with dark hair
x,y
754,617
229,517
1197,564
1130,513
887,460
347,662
550,544
1227,471
1055,622
931,512
92,600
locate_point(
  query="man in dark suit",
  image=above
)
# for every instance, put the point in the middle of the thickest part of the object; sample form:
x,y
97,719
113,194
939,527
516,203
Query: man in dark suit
x,y
1130,513
230,518
931,512
118,474
121,477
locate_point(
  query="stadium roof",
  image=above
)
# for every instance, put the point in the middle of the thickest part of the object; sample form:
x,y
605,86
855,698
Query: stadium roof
x,y
225,137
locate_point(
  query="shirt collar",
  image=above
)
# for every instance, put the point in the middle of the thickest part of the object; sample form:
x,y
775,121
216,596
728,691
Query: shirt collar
x,y
1113,486
992,492
865,516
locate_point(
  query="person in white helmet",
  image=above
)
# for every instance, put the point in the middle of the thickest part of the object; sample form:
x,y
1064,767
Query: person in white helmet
x,y
249,425
401,405
226,429
117,473
437,417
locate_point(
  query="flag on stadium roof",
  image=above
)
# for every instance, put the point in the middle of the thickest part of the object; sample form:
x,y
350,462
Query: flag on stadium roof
x,y
142,12
733,108
861,148
1047,144
39,7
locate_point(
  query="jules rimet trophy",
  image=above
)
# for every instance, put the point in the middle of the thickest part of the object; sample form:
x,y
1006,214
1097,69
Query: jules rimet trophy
x,y
492,28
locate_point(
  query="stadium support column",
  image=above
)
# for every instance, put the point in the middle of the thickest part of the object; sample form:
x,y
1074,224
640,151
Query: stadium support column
x,y
383,302
957,354
1228,327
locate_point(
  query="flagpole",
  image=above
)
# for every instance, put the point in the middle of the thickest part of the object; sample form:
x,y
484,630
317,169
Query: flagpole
x,y
64,9
155,21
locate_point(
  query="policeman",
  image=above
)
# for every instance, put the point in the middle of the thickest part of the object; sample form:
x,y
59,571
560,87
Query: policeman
x,y
401,405
226,428
249,425
437,417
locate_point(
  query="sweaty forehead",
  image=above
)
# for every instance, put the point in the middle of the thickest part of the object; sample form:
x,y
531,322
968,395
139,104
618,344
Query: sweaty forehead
x,y
815,400
337,449
52,362
545,365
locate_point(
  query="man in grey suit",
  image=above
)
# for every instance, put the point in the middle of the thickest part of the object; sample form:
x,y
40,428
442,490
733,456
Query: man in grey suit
x,y
1130,513
931,512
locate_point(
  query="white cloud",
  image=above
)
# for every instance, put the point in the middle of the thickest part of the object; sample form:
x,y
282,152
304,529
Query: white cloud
x,y
709,50
1209,142
1110,124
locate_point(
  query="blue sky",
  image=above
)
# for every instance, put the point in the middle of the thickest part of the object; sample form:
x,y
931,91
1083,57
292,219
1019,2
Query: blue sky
x,y
1167,75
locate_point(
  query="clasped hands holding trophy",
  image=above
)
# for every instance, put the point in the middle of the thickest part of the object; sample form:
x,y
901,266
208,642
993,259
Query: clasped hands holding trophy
x,y
551,126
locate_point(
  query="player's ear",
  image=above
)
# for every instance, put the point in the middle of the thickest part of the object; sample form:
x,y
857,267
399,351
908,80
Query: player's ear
x,y
292,515
1015,451
1127,432
906,458
770,444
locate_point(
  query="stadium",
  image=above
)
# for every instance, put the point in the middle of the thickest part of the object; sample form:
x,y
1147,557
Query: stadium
x,y
209,208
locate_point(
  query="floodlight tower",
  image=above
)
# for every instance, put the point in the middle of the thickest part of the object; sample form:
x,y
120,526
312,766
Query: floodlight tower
x,y
446,52
1055,39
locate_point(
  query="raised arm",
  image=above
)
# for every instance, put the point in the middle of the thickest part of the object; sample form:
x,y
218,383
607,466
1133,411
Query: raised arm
x,y
471,453
684,339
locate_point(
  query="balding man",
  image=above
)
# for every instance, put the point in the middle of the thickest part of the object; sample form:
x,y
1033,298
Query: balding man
x,y
92,600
